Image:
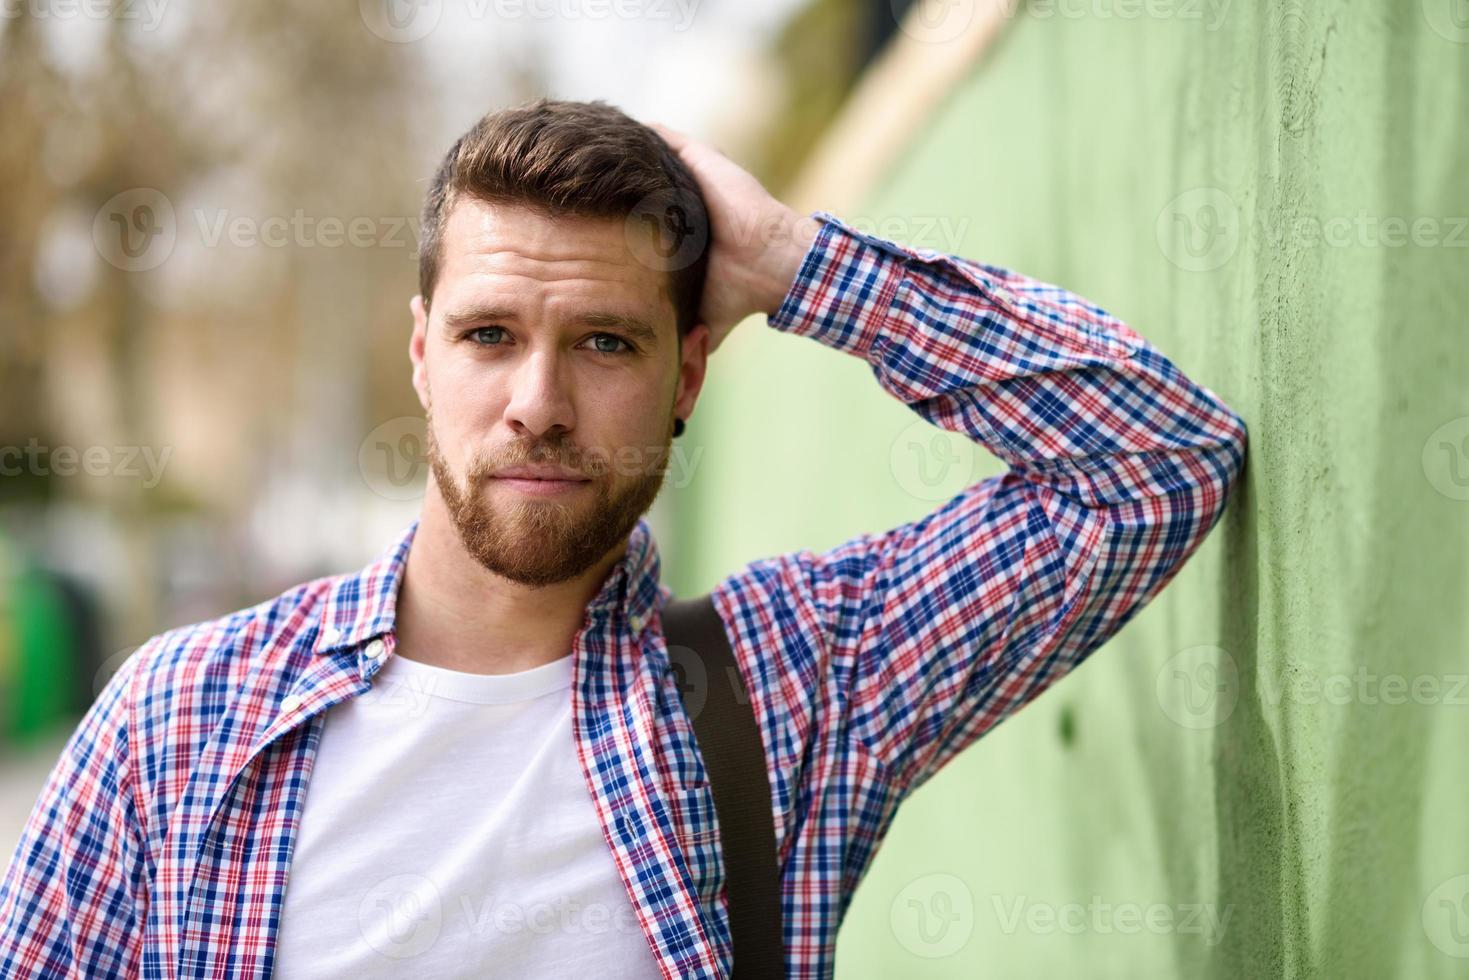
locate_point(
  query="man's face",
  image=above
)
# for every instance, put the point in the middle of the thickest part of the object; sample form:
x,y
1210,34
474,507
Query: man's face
x,y
548,342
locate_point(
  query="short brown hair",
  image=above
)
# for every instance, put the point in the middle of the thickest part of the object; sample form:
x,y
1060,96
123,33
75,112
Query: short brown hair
x,y
580,158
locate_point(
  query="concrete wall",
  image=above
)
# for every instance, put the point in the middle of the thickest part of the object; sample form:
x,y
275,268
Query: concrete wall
x,y
1265,774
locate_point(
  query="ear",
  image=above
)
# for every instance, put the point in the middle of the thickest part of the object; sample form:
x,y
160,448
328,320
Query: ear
x,y
692,370
415,348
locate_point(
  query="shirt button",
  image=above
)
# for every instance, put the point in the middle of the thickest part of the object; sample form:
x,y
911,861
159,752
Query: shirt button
x,y
331,634
376,649
290,703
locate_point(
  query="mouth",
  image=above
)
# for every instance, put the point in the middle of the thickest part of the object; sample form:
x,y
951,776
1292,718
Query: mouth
x,y
539,487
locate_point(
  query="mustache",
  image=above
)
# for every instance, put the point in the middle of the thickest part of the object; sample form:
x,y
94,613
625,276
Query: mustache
x,y
587,462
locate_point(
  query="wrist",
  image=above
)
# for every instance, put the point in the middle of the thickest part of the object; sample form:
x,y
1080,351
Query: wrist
x,y
783,259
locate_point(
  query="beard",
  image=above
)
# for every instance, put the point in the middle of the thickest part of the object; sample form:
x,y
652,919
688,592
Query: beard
x,y
539,542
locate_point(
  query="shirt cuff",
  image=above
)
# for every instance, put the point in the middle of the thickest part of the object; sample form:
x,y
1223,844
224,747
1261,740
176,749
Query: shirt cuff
x,y
846,283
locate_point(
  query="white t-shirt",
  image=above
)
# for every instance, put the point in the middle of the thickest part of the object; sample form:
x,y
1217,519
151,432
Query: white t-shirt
x,y
447,832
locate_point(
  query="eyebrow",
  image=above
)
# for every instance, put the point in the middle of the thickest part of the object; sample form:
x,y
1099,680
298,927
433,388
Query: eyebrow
x,y
635,326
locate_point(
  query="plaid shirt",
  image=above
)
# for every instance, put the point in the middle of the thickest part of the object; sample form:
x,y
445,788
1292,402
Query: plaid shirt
x,y
162,840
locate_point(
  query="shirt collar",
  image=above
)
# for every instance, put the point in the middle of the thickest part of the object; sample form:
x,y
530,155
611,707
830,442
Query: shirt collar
x,y
362,605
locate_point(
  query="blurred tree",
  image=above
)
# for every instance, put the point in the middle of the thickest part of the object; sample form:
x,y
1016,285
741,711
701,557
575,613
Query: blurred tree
x,y
268,149
821,52
31,94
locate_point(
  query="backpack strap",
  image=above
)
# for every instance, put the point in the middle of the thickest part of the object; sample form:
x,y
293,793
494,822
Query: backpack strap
x,y
716,700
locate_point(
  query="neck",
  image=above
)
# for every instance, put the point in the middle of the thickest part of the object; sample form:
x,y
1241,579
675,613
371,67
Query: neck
x,y
452,612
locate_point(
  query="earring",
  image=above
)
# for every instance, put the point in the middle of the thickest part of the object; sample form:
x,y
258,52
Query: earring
x,y
678,427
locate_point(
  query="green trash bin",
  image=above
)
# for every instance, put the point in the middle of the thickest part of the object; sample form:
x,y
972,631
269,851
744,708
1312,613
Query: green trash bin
x,y
38,651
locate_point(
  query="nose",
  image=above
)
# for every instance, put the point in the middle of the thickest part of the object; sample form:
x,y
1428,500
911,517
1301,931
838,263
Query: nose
x,y
540,396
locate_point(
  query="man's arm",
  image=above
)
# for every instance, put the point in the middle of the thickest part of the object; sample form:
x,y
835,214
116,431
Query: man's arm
x,y
1119,465
74,900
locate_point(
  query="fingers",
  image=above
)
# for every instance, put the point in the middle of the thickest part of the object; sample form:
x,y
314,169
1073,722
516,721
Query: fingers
x,y
675,139
683,143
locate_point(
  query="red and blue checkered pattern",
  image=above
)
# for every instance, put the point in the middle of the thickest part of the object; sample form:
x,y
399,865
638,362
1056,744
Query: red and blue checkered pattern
x,y
161,843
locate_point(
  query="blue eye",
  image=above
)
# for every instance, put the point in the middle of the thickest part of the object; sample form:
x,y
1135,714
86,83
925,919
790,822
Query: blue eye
x,y
612,336
627,348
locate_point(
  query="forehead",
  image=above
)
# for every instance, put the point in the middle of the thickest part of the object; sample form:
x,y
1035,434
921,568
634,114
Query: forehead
x,y
555,264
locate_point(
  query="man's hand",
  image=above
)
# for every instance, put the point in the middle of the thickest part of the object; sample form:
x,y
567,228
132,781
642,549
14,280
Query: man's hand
x,y
756,243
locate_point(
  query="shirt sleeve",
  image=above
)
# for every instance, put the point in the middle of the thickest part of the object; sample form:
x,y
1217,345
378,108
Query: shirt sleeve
x,y
1118,467
73,901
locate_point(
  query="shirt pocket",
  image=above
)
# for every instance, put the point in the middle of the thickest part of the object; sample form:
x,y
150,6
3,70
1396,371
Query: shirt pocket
x,y
696,829
691,809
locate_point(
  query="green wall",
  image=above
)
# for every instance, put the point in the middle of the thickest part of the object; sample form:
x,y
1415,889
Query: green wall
x,y
1265,773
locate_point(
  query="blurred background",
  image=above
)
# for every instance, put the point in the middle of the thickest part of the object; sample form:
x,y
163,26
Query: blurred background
x,y
208,223
208,245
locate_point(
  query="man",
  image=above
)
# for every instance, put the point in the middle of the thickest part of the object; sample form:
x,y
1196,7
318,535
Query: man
x,y
471,758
